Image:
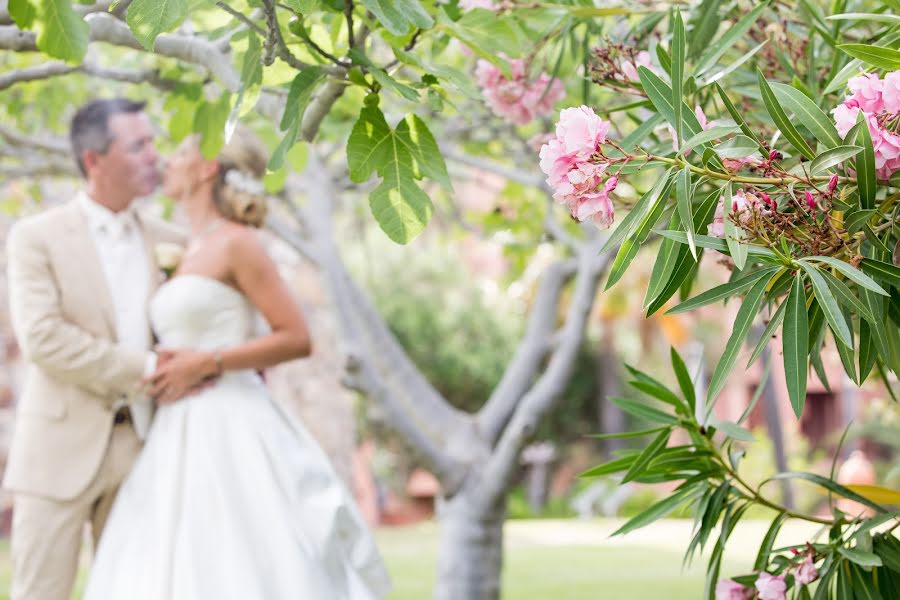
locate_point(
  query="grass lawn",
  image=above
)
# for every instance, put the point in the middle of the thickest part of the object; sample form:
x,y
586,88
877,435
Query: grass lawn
x,y
562,560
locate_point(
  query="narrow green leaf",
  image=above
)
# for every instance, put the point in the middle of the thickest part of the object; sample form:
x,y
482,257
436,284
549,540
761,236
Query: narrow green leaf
x,y
704,24
714,243
739,119
642,410
649,453
683,197
833,157
765,549
867,351
794,345
707,135
860,557
808,113
624,434
745,317
846,297
677,86
661,96
883,58
828,484
613,466
733,430
715,51
767,334
733,65
886,271
723,291
873,17
684,379
657,511
865,166
829,305
637,213
780,118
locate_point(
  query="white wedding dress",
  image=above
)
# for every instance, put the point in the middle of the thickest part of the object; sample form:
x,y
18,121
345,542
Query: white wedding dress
x,y
229,499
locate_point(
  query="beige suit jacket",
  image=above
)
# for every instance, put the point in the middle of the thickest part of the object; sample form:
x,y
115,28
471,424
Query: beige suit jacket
x,y
64,322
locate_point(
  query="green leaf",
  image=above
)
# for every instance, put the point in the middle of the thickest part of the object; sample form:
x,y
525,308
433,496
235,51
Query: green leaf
x,y
302,88
613,466
414,135
860,557
149,18
210,123
61,32
715,51
781,120
833,157
704,24
22,12
809,114
677,87
684,379
723,291
637,213
852,273
661,96
381,76
829,305
733,65
846,297
794,344
740,146
829,484
684,201
865,166
745,317
707,135
765,549
276,161
637,136
732,110
875,18
883,58
642,410
767,334
398,15
733,430
714,243
657,511
867,351
488,35
886,271
624,434
649,453
627,251
734,235
398,204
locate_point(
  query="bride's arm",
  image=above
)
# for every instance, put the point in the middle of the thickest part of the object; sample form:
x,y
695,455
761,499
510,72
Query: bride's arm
x,y
255,274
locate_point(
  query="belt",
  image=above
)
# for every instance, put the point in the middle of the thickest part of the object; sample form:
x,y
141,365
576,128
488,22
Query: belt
x,y
122,415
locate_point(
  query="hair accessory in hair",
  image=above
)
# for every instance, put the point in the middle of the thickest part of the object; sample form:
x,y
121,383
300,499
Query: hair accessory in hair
x,y
244,182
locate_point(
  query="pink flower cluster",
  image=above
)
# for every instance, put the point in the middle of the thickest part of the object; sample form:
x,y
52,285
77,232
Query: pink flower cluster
x,y
768,586
567,160
879,101
742,203
518,100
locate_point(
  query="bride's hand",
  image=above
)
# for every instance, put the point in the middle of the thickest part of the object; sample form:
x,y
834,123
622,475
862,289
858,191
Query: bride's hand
x,y
181,374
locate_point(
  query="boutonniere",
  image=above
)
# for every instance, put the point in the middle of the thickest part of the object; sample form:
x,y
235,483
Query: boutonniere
x,y
168,257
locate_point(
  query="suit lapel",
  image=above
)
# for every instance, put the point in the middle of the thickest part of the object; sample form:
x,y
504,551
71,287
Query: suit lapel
x,y
90,269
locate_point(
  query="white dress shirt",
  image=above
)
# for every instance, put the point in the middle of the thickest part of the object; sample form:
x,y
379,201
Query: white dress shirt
x,y
123,257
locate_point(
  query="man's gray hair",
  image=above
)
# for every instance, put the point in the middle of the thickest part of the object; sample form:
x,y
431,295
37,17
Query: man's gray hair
x,y
90,126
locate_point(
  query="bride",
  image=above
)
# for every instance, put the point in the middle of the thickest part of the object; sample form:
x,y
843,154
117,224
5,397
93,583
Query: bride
x,y
229,499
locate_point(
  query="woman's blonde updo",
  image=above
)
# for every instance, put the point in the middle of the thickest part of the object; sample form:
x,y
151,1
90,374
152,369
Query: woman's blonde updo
x,y
239,192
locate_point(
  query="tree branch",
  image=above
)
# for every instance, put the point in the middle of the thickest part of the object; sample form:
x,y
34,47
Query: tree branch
x,y
530,353
17,138
57,69
541,398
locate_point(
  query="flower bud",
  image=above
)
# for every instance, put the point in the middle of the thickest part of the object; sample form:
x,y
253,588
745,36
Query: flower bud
x,y
832,184
810,200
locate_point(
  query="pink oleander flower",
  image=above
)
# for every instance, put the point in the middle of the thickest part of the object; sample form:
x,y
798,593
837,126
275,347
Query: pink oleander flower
x,y
890,93
771,587
567,160
726,589
736,164
845,117
517,100
629,69
470,4
867,91
807,572
887,152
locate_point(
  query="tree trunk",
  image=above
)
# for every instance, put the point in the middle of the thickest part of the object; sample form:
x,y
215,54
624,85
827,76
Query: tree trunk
x,y
470,550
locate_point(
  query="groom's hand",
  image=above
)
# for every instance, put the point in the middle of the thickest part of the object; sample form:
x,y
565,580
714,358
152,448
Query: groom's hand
x,y
180,373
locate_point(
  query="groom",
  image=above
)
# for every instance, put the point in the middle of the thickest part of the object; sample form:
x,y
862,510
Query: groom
x,y
80,276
